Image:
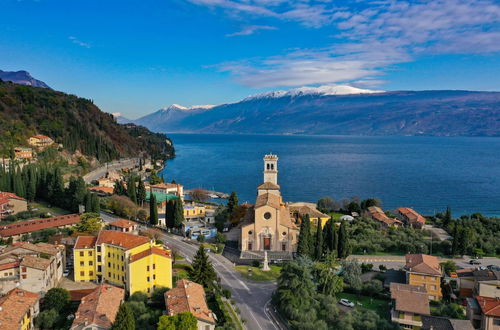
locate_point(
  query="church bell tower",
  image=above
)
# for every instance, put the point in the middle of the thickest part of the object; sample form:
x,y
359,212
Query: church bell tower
x,y
271,168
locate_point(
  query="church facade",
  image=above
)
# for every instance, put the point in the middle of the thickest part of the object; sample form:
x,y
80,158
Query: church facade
x,y
267,225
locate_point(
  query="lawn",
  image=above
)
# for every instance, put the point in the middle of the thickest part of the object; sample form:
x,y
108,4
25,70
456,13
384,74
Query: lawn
x,y
336,216
381,307
44,207
180,271
257,274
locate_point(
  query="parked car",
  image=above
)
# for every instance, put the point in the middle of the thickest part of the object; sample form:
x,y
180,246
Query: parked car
x,y
66,273
346,302
474,262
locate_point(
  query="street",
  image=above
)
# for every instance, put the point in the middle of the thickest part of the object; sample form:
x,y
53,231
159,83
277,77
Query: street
x,y
101,171
252,298
397,262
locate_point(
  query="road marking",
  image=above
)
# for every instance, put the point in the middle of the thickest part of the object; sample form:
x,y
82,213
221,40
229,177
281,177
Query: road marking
x,y
270,316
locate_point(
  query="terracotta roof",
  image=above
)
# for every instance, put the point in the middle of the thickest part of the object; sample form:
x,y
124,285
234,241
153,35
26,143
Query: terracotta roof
x,y
165,185
107,190
378,214
410,298
150,251
23,227
85,242
188,297
305,209
423,263
10,195
122,223
99,307
35,262
125,240
268,199
9,265
38,247
269,186
489,306
15,304
412,215
77,295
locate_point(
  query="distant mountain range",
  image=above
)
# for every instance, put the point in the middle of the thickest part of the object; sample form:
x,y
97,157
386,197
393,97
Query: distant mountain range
x,y
339,110
22,78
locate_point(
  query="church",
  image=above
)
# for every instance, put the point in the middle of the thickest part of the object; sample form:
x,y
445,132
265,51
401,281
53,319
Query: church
x,y
268,226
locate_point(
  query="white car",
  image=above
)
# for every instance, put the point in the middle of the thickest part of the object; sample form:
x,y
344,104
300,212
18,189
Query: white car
x,y
66,273
346,302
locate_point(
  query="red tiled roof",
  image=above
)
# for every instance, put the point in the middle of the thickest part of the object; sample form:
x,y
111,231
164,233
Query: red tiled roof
x,y
412,215
10,195
122,223
188,297
410,298
29,226
9,265
107,190
99,307
125,240
35,262
77,295
423,263
150,251
165,185
85,242
15,304
489,306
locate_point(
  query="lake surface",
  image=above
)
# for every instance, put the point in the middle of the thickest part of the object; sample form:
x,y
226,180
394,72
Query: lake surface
x,y
426,173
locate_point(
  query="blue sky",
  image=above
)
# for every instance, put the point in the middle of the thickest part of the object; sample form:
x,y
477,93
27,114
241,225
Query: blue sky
x,y
136,56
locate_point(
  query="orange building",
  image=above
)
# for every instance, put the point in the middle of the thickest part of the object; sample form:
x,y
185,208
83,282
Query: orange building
x,y
424,270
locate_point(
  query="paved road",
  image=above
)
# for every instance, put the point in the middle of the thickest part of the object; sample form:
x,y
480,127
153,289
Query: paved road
x,y
116,165
252,298
397,262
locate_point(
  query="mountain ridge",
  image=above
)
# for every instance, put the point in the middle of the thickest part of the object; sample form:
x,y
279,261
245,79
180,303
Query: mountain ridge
x,y
22,77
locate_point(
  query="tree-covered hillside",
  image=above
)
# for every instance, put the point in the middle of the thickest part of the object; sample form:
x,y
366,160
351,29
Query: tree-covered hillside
x,y
74,122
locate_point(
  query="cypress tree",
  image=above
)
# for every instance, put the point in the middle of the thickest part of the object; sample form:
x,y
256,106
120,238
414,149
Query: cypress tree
x,y
232,203
95,205
124,319
454,245
343,244
304,243
447,217
178,214
202,271
118,189
153,210
318,249
169,214
141,193
88,202
131,192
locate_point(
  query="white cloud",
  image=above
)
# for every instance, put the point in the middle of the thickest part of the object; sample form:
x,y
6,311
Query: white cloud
x,y
79,42
371,36
251,29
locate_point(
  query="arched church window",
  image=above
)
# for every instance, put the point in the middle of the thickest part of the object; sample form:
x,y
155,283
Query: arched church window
x,y
272,166
250,232
268,166
267,215
284,233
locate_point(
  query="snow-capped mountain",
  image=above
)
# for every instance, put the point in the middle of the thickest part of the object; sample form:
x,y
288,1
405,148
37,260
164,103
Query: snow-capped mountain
x,y
339,110
320,91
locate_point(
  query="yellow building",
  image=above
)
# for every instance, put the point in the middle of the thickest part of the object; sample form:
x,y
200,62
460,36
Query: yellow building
x,y
301,209
194,212
130,261
18,309
424,270
40,141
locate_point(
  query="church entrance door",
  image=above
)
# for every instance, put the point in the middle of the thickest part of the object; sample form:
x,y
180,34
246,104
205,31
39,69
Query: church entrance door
x,y
267,243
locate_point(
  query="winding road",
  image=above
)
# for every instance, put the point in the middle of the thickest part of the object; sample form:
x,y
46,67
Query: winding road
x,y
252,298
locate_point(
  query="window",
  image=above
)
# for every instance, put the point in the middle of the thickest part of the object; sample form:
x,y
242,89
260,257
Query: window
x,y
109,274
148,278
123,279
122,258
154,277
24,276
98,258
283,233
99,269
82,263
267,215
147,268
82,273
249,246
122,269
6,274
154,266
98,248
109,264
250,232
91,273
81,253
109,255
283,246
24,269
90,253
91,263
149,290
433,287
496,321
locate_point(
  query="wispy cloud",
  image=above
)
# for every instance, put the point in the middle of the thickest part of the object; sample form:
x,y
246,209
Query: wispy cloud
x,y
79,42
251,29
369,39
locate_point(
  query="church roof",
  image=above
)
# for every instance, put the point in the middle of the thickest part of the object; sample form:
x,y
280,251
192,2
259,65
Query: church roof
x,y
269,186
269,200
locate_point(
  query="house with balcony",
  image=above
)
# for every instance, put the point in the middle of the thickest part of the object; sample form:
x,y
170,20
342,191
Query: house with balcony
x,y
484,312
409,304
18,308
410,217
40,141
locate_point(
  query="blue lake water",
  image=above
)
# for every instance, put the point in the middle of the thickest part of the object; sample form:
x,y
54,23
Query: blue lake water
x,y
426,173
